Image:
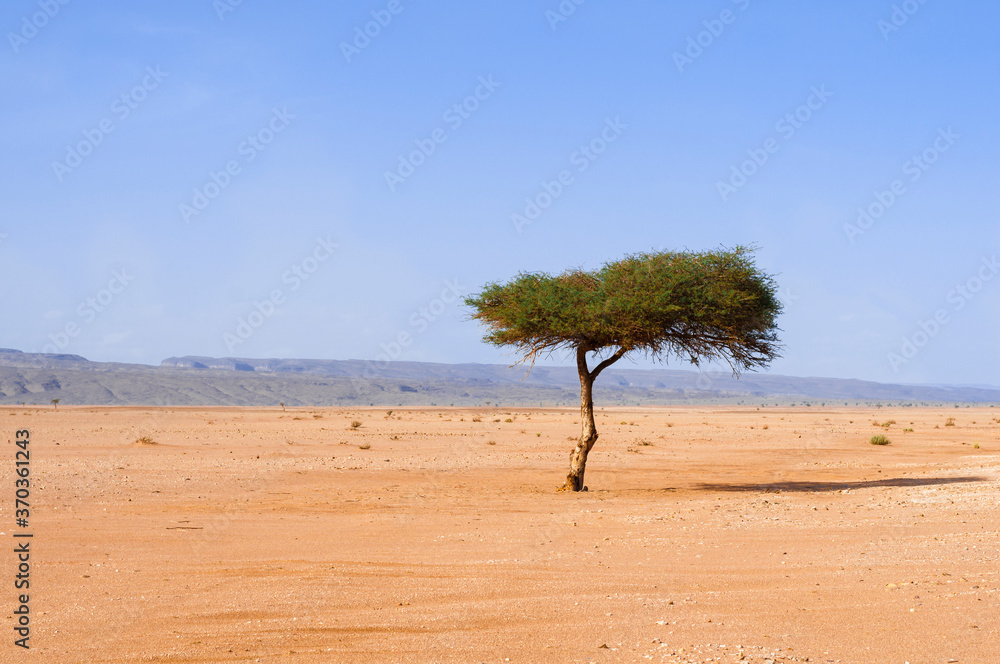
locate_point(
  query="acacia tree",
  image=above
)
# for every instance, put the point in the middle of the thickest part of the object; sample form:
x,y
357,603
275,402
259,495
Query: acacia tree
x,y
713,305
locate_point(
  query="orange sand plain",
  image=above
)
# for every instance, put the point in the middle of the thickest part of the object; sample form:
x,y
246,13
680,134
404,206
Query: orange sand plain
x,y
708,534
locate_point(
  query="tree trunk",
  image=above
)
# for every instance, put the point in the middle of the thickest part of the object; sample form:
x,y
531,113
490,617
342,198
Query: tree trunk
x,y
588,429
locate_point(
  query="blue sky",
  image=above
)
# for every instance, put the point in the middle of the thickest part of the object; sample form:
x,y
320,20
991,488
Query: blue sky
x,y
261,179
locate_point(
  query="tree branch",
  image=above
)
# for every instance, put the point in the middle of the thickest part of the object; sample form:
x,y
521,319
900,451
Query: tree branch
x,y
607,363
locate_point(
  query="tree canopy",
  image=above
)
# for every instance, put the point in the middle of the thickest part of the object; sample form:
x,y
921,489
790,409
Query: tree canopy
x,y
714,305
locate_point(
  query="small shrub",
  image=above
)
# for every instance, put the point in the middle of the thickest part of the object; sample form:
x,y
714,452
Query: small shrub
x,y
950,422
355,424
508,420
976,446
388,413
491,442
908,430
364,446
879,440
477,419
145,440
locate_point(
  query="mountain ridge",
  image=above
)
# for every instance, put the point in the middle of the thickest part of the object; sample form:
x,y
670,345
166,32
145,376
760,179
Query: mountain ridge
x,y
235,381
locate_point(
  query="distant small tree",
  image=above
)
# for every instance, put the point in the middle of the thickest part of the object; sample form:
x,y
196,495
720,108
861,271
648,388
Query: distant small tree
x,y
55,403
712,305
282,404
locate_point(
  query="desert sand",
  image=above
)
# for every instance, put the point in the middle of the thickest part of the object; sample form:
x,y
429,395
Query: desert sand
x,y
437,535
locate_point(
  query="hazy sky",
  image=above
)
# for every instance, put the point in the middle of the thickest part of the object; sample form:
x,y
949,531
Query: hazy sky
x,y
315,179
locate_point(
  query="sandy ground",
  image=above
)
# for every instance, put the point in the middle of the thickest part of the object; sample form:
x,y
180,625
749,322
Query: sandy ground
x,y
436,535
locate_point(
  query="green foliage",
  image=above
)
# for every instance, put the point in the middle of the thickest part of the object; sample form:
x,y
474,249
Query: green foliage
x,y
879,440
698,305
